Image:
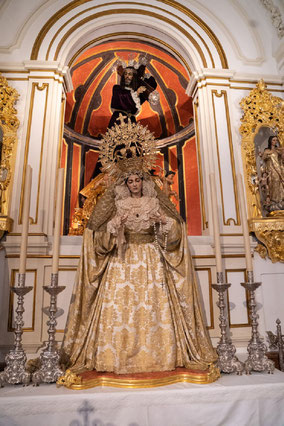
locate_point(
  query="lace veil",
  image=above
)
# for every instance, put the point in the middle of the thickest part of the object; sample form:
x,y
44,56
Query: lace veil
x,y
105,208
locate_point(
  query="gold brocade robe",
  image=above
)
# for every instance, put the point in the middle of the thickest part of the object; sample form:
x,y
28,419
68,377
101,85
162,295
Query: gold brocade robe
x,y
139,312
274,169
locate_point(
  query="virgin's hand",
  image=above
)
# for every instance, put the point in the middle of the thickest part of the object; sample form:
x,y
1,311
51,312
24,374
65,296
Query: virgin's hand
x,y
158,218
155,217
124,219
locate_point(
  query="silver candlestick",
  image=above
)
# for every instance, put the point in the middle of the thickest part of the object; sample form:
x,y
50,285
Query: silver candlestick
x,y
280,345
257,360
50,370
227,361
15,372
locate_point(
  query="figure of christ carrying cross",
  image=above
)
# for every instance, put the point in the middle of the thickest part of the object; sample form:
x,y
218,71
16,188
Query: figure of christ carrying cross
x,y
128,96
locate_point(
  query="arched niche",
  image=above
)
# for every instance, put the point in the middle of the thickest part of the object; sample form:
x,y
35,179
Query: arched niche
x,y
9,124
78,26
88,113
263,119
75,27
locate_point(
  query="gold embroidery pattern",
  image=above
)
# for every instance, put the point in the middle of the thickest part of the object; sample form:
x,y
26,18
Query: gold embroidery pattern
x,y
137,314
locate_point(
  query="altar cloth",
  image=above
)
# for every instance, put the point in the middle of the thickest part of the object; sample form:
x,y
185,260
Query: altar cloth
x,y
255,400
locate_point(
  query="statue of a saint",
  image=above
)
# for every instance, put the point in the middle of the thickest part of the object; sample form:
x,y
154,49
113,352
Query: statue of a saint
x,y
168,181
272,179
134,89
135,305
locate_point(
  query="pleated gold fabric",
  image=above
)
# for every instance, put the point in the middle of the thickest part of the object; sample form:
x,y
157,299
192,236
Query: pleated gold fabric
x,y
139,312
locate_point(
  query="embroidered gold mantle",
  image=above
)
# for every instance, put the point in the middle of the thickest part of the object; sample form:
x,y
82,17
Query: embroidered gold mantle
x,y
139,313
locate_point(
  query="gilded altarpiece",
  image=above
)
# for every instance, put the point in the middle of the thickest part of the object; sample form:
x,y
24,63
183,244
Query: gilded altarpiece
x,y
8,136
262,133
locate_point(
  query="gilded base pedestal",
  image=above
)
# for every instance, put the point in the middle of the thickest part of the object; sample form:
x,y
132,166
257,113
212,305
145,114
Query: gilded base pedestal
x,y
90,379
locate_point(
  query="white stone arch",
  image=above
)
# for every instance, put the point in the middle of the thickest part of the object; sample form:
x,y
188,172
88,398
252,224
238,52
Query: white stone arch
x,y
59,38
242,31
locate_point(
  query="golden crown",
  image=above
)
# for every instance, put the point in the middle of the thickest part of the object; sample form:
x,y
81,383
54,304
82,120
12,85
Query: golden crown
x,y
127,148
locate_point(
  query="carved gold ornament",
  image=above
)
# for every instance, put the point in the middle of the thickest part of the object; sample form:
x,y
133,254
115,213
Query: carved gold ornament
x,y
127,148
180,375
8,136
69,379
264,113
93,191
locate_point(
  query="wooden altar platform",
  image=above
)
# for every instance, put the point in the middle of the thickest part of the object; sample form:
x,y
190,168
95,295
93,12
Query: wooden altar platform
x,y
255,400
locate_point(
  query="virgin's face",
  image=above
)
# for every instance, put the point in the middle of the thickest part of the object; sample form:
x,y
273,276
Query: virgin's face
x,y
134,184
274,142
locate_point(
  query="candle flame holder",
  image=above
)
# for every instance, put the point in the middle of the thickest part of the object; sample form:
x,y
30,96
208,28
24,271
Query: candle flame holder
x,y
227,361
50,370
257,360
15,372
280,344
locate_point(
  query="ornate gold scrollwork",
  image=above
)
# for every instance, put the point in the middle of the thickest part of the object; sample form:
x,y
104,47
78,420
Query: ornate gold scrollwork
x,y
263,116
8,136
69,379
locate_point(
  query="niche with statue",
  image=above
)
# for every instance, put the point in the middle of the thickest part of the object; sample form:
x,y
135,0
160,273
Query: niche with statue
x,y
262,133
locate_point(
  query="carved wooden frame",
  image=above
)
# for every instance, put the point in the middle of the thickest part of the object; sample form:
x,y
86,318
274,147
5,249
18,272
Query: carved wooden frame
x,y
9,124
262,109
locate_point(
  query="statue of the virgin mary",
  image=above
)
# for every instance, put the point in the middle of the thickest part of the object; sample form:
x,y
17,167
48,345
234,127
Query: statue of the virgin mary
x,y
135,305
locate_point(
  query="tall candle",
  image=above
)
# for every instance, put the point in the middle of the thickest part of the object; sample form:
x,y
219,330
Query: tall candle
x,y
215,223
58,215
244,223
25,220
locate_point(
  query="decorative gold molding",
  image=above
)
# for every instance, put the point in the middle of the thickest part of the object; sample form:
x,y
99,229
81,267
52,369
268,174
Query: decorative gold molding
x,y
14,71
61,132
248,323
77,256
232,234
232,158
39,87
249,88
9,124
262,110
270,234
17,79
144,35
208,270
204,26
6,224
130,11
223,93
79,382
43,256
204,83
203,211
254,82
187,12
133,34
212,256
30,234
